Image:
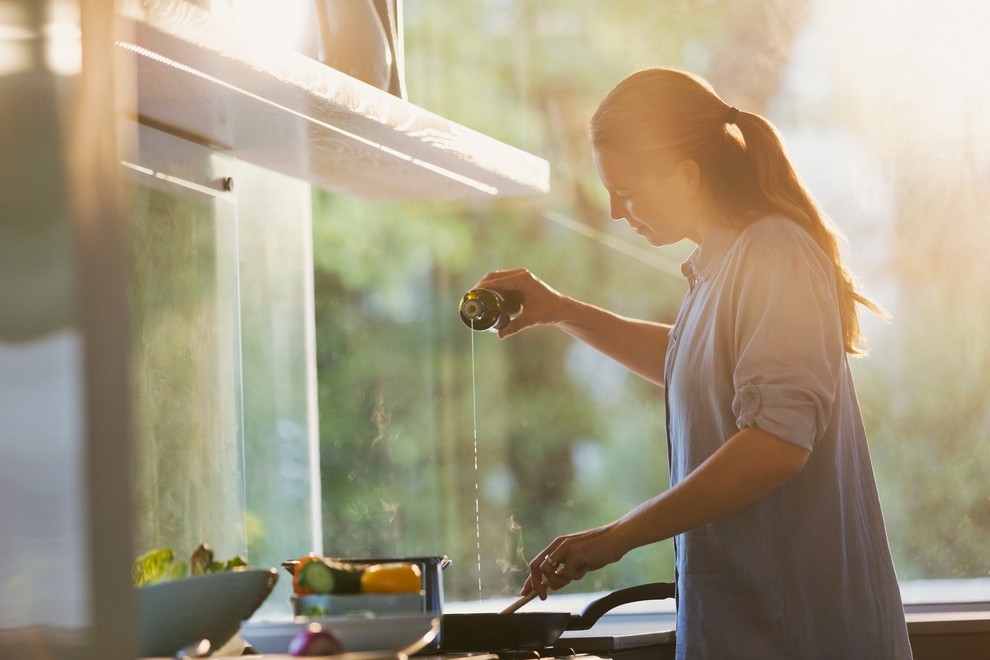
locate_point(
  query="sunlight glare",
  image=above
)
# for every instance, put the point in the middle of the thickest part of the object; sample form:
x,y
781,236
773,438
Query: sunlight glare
x,y
929,56
15,39
269,25
63,39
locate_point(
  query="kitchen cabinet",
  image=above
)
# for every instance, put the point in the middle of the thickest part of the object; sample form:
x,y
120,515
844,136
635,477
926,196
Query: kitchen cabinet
x,y
198,78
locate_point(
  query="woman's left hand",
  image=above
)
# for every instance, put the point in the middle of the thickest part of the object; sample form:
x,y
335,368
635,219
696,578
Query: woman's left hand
x,y
570,557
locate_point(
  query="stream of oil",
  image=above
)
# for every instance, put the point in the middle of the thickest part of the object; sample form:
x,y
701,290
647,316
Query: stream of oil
x,y
477,503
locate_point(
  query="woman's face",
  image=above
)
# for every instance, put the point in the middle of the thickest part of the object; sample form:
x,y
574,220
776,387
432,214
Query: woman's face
x,y
659,202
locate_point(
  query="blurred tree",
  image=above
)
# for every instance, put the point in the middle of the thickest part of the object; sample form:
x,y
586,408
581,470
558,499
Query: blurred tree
x,y
917,109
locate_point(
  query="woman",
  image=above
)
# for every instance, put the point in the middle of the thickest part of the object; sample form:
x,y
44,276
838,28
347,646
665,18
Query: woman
x,y
779,538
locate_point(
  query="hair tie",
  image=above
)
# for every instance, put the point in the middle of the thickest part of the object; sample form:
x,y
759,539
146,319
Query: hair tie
x,y
731,115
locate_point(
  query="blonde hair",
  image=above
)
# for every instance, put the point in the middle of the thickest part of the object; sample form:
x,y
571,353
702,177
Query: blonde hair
x,y
661,113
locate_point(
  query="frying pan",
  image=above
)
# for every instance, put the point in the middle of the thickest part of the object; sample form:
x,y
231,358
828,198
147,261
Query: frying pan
x,y
536,630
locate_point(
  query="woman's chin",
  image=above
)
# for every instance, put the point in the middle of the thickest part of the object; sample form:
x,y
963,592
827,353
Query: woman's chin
x,y
650,236
652,239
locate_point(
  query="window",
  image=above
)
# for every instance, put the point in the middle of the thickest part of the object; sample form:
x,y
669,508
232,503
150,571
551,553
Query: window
x,y
882,108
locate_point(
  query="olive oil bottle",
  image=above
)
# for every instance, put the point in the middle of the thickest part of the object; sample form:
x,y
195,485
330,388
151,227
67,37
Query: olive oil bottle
x,y
485,309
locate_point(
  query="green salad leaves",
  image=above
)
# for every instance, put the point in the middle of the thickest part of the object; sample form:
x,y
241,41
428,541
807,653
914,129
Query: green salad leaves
x,y
160,564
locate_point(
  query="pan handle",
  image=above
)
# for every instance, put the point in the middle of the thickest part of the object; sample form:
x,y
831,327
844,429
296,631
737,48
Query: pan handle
x,y
596,608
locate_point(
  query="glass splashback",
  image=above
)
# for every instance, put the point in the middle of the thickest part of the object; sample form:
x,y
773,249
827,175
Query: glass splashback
x,y
279,372
186,353
223,369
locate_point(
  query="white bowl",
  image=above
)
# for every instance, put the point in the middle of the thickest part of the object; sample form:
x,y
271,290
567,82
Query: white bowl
x,y
385,633
174,614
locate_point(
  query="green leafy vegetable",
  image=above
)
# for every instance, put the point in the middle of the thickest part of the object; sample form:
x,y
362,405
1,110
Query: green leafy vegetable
x,y
160,564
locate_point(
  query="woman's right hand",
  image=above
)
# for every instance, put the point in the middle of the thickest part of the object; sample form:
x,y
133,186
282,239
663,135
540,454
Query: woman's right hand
x,y
541,303
571,557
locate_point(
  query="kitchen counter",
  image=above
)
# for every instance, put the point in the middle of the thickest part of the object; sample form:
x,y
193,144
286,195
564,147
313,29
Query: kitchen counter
x,y
957,631
621,632
357,655
960,631
625,637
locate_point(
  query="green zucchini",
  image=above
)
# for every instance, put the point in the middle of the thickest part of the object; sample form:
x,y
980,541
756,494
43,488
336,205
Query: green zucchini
x,y
328,577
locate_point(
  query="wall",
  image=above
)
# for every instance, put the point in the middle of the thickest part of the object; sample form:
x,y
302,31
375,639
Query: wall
x,y
65,535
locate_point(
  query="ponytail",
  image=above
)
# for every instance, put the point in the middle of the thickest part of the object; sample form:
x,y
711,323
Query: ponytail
x,y
745,169
783,190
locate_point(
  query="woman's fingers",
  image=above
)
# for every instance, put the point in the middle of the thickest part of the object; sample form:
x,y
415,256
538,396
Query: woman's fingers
x,y
570,558
498,278
527,586
539,299
548,570
542,569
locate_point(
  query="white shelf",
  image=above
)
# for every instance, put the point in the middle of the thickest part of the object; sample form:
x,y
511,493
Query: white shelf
x,y
197,78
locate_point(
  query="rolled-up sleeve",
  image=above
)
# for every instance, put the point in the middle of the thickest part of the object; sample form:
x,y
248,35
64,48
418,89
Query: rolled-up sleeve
x,y
788,342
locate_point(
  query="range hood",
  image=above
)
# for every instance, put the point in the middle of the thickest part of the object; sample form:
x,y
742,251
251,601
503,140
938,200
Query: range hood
x,y
199,79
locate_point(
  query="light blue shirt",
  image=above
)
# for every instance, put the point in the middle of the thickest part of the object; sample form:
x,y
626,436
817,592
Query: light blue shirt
x,y
804,572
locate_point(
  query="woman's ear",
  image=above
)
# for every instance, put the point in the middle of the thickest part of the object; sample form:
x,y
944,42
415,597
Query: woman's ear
x,y
689,173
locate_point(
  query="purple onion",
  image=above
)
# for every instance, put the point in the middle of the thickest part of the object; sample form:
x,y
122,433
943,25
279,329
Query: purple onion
x,y
315,640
